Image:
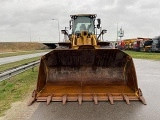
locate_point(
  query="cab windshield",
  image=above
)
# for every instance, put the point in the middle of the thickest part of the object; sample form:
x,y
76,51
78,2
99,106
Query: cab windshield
x,y
83,24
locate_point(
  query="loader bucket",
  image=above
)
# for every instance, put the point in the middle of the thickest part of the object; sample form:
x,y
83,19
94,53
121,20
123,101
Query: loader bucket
x,y
87,75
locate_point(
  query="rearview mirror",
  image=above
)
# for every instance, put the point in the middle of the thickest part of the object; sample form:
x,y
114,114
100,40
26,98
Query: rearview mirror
x,y
64,32
104,31
99,23
70,24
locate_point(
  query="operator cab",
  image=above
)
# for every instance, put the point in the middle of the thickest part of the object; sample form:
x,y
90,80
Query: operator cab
x,y
84,25
83,22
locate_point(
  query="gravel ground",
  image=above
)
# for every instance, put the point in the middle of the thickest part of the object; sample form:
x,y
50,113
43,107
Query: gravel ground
x,y
20,111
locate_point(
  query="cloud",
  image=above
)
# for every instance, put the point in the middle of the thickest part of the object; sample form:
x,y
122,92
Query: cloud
x,y
18,18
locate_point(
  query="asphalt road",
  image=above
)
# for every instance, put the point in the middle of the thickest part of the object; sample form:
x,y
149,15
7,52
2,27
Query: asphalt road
x,y
19,57
148,74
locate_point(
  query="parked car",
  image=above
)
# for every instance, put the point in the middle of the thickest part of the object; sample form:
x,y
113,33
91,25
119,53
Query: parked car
x,y
156,44
138,44
147,47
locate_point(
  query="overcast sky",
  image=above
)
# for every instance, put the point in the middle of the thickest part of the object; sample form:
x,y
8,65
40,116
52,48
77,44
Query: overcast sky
x,y
31,20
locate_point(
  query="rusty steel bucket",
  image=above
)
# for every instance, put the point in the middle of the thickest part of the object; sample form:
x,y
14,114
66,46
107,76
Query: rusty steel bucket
x,y
87,75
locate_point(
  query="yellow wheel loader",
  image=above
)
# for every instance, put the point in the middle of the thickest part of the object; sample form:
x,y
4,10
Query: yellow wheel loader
x,y
86,69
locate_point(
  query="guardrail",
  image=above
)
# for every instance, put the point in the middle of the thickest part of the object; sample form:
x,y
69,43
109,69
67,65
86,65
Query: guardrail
x,y
12,72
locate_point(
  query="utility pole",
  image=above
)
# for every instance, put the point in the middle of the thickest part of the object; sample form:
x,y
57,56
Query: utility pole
x,y
117,32
121,33
58,28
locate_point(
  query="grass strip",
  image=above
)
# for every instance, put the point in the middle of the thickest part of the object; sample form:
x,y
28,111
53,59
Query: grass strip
x,y
144,55
17,63
22,53
16,88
